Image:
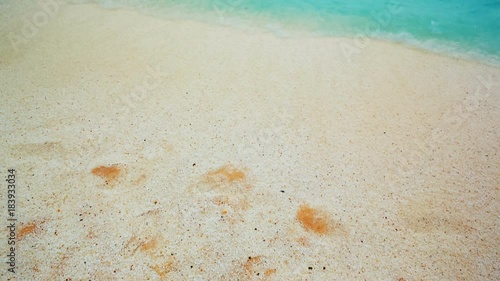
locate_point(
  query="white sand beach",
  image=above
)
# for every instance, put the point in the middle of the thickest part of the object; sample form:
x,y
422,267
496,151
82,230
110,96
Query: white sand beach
x,y
154,149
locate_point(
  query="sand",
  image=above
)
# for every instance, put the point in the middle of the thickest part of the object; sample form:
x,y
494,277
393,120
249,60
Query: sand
x,y
153,149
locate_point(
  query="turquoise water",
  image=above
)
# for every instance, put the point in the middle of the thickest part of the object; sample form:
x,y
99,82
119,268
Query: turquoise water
x,y
460,27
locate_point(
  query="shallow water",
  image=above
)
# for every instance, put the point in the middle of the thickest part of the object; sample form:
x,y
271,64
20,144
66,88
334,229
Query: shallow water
x,y
457,27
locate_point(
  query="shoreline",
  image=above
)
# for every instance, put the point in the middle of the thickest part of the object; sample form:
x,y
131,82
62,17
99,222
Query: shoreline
x,y
248,22
354,42
160,149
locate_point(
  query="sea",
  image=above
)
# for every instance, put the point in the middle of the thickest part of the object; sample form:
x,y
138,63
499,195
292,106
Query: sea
x,y
460,28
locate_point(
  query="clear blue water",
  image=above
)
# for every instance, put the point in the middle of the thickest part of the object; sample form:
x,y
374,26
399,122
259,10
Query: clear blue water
x,y
459,27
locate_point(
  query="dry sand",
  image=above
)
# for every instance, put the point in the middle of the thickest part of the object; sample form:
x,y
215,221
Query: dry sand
x,y
149,149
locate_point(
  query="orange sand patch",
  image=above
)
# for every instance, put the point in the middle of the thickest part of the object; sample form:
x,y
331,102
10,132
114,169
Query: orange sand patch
x,y
109,173
164,270
270,272
28,229
313,220
151,244
227,173
251,261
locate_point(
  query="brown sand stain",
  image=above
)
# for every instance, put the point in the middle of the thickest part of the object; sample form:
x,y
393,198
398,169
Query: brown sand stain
x,y
251,263
28,229
108,173
139,180
312,219
226,189
164,269
318,221
235,203
226,174
149,245
431,213
132,245
270,272
255,266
